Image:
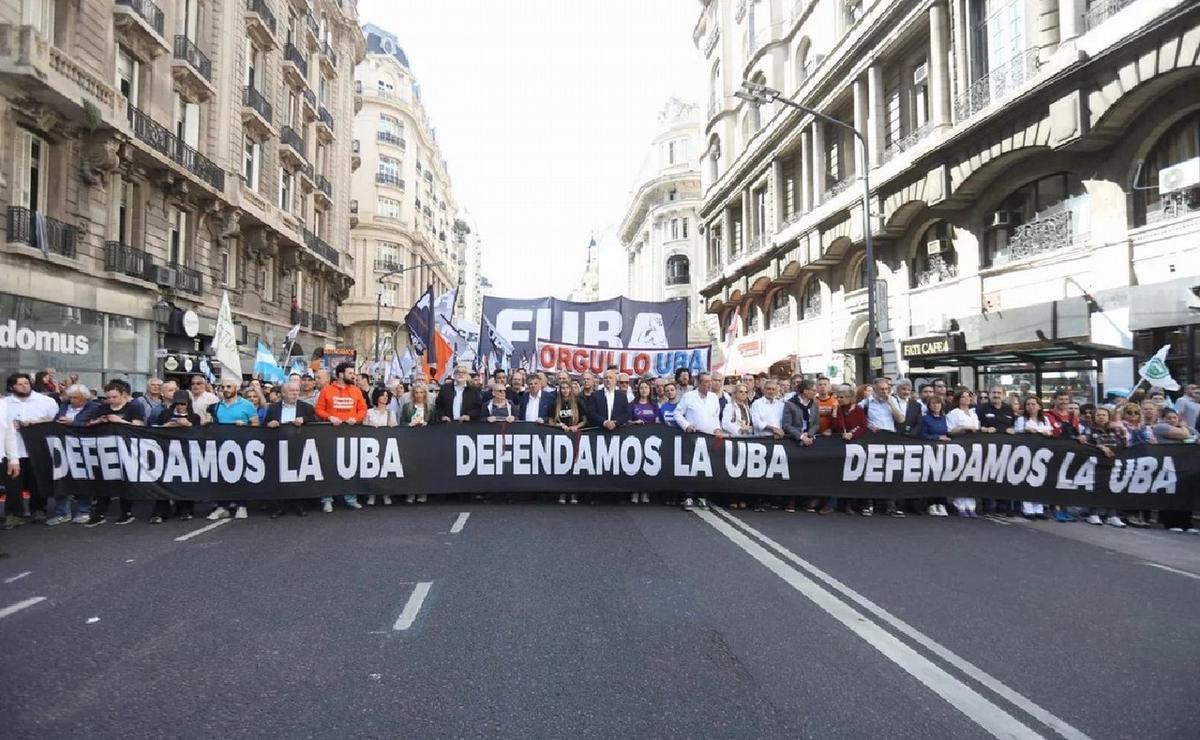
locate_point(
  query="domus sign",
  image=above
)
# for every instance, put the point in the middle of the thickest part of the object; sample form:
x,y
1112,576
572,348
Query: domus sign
x,y
16,336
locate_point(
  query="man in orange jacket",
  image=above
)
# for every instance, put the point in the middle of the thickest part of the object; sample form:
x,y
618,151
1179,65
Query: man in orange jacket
x,y
341,402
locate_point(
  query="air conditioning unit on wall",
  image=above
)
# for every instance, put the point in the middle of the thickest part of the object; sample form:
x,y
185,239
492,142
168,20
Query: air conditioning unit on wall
x,y
1178,177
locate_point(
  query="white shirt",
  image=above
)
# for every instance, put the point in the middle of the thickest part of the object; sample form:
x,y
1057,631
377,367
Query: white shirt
x,y
879,413
458,396
766,413
1028,425
701,412
532,404
33,408
9,436
287,413
201,403
962,419
610,398
731,420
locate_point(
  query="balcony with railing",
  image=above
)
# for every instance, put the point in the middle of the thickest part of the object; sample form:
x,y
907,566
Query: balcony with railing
x,y
37,230
1101,10
997,84
389,137
293,145
389,179
324,188
312,32
320,247
937,268
125,260
187,279
161,140
320,323
295,66
308,104
329,58
256,110
192,69
141,22
758,243
300,316
678,279
324,122
355,155
906,142
1034,238
386,264
353,213
260,23
305,173
838,188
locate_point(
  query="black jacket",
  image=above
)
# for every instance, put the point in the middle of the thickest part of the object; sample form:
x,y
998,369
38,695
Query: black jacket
x,y
304,410
912,416
472,402
597,409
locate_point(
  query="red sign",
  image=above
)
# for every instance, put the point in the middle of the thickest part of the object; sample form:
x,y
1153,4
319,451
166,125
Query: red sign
x,y
751,348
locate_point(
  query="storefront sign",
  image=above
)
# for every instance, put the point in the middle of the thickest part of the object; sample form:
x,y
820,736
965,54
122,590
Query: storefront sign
x,y
332,357
25,337
191,324
926,346
753,348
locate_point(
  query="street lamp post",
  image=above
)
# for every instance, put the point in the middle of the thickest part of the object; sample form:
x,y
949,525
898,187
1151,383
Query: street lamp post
x,y
761,95
379,299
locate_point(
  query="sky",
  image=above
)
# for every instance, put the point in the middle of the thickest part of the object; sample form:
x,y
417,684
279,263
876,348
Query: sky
x,y
544,110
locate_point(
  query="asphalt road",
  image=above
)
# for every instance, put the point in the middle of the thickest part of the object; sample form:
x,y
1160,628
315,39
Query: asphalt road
x,y
545,621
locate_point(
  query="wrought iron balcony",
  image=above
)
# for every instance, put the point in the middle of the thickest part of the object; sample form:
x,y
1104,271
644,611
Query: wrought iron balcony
x,y
324,186
329,54
386,264
388,137
293,56
319,247
260,9
325,118
187,51
780,316
39,231
126,260
838,188
320,323
683,279
1101,10
300,316
309,108
937,269
187,279
288,136
997,84
1040,236
312,31
158,138
906,142
147,11
257,102
389,178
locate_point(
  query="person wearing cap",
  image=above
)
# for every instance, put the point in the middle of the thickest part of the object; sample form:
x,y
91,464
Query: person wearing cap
x,y
308,389
177,412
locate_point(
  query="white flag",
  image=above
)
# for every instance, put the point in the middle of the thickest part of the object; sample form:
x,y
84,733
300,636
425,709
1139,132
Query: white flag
x,y
295,332
224,343
497,340
1156,373
408,364
394,370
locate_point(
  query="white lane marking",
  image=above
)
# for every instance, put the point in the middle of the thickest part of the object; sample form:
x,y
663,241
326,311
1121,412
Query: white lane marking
x,y
202,530
13,609
978,674
460,522
413,607
997,519
17,577
987,715
1176,571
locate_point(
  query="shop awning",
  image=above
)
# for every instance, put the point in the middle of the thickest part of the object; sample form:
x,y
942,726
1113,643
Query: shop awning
x,y
1036,354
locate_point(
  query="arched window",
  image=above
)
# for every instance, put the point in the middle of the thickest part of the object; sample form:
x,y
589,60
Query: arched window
x,y
715,93
856,278
781,310
803,64
678,270
810,299
1178,145
714,158
756,318
754,112
1039,217
936,259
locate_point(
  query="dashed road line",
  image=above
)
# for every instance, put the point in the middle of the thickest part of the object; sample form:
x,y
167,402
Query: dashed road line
x,y
17,577
202,530
460,522
13,609
412,607
1176,571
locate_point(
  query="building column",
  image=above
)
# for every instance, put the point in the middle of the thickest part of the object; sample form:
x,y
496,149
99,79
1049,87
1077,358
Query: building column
x,y
863,119
747,214
778,195
818,163
726,234
939,64
804,175
962,52
1070,19
877,114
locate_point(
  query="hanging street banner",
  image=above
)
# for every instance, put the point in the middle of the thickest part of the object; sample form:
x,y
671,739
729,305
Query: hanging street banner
x,y
254,463
617,323
576,360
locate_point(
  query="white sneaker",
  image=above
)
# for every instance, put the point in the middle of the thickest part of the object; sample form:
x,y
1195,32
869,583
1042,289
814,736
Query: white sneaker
x,y
371,500
562,498
241,513
1095,519
387,500
80,519
633,499
702,503
933,510
353,505
942,510
54,521
218,513
1114,521
409,498
687,504
574,499
422,498
645,498
327,507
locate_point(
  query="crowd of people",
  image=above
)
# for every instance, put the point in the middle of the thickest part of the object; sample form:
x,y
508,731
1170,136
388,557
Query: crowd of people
x,y
800,409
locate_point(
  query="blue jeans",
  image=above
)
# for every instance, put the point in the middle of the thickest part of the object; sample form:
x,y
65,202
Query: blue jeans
x,y
62,506
349,498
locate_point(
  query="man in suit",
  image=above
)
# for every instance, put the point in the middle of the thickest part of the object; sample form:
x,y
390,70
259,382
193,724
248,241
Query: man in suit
x,y
910,407
458,401
289,410
534,404
609,407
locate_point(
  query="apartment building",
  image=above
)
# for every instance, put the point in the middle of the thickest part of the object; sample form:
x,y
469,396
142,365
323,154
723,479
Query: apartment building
x,y
1034,186
470,268
403,208
157,154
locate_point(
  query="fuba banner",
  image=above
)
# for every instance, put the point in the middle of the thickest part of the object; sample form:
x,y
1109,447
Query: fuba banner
x,y
245,463
576,360
617,323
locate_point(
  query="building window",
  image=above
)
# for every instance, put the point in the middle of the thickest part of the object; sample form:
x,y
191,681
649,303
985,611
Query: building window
x,y
674,228
121,222
251,161
1178,145
268,279
177,237
31,170
390,294
684,227
759,203
781,310
388,208
253,65
936,259
285,189
1037,218
678,270
672,195
810,299
390,169
320,219
391,125
128,68
229,262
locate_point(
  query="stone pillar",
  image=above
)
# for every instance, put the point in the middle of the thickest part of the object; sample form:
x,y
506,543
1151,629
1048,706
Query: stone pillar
x,y
804,177
864,118
939,64
1070,19
726,234
747,214
877,116
962,67
778,195
818,163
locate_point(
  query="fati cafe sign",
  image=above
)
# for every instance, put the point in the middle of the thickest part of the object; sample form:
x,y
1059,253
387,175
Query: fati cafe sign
x,y
926,346
16,336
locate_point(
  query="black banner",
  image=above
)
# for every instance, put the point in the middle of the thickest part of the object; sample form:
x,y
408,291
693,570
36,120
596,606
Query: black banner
x,y
245,463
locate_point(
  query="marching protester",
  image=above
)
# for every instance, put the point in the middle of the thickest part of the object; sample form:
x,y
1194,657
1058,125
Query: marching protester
x,y
962,419
643,410
24,407
118,408
231,410
609,406
152,401
767,411
202,398
1033,421
417,411
910,407
11,454
1108,440
668,403
309,393
1188,405
176,412
341,402
78,406
458,401
566,412
883,415
498,408
850,423
1171,429
289,410
256,399
801,422
699,411
380,415
683,381
737,421
534,403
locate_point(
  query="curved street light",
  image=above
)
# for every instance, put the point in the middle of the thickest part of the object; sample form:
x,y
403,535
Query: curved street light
x,y
379,298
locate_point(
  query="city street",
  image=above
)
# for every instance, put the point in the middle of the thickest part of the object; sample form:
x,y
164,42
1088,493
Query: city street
x,y
472,619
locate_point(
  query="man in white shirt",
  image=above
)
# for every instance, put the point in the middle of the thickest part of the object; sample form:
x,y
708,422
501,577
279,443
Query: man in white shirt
x,y
1188,405
623,384
532,404
883,411
609,407
767,412
202,398
700,411
23,406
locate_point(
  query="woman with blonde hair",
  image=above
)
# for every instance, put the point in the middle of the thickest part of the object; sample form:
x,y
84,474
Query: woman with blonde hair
x,y
566,413
417,412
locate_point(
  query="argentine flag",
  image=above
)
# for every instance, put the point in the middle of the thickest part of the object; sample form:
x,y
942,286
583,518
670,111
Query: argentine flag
x,y
265,365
